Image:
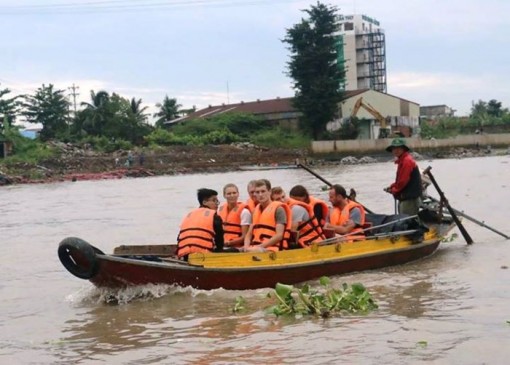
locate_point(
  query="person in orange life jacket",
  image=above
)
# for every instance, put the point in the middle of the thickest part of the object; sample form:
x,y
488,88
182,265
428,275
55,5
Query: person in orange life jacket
x,y
252,202
320,208
304,220
346,216
407,188
236,217
271,222
277,194
201,230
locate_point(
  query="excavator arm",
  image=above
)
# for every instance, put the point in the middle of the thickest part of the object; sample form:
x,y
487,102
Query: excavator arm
x,y
384,130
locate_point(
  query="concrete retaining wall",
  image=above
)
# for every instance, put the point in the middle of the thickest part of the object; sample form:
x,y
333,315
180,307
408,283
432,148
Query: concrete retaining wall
x,y
378,145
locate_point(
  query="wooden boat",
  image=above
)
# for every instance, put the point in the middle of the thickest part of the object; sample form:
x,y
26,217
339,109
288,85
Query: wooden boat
x,y
267,167
156,264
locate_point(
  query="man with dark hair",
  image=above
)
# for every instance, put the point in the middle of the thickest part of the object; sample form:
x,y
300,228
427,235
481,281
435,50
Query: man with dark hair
x,y
347,216
407,188
202,229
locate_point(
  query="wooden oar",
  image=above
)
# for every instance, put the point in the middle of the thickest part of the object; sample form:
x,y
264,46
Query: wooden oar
x,y
482,224
328,183
456,219
339,237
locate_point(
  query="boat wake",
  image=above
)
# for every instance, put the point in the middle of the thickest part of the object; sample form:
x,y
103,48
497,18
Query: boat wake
x,y
148,292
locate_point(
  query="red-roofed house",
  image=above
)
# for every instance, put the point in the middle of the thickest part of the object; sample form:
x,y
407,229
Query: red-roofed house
x,y
399,112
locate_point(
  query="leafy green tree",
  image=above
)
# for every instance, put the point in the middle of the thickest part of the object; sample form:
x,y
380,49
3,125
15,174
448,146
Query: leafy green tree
x,y
494,108
313,67
479,108
50,108
168,110
8,108
243,124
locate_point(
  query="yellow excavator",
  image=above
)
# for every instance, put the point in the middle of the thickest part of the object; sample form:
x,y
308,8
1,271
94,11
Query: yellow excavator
x,y
384,131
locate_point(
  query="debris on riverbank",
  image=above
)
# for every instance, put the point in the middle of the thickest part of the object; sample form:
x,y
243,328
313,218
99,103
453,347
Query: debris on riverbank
x,y
74,164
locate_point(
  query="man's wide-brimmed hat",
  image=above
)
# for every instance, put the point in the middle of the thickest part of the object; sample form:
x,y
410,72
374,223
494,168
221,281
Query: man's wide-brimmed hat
x,y
397,142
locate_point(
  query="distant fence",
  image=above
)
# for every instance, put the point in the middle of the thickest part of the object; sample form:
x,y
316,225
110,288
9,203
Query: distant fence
x,y
378,145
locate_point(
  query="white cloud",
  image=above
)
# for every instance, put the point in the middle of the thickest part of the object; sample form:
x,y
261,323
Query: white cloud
x,y
432,18
454,90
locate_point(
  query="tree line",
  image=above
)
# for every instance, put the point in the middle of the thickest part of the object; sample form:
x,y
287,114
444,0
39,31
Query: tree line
x,y
312,66
317,79
485,117
106,114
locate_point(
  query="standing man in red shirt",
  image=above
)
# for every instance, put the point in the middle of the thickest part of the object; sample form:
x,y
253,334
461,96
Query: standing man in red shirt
x,y
407,187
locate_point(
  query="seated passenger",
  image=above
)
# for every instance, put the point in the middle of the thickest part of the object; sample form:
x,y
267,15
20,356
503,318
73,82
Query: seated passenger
x,y
277,194
201,230
270,229
251,203
304,222
320,208
236,217
347,217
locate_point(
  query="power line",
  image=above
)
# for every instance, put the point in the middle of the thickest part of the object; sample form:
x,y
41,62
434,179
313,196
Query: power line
x,y
106,6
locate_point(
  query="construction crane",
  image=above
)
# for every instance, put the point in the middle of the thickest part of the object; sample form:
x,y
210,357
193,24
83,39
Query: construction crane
x,y
384,131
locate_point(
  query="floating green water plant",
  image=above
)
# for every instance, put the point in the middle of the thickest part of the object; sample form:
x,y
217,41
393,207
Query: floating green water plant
x,y
422,344
239,305
322,301
450,238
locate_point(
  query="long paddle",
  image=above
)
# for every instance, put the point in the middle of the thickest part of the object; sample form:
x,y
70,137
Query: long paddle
x,y
328,183
456,219
482,224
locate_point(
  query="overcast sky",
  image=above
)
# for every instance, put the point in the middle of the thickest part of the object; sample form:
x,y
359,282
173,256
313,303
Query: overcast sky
x,y
206,52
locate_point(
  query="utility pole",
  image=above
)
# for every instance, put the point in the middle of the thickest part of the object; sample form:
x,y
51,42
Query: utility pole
x,y
74,94
228,94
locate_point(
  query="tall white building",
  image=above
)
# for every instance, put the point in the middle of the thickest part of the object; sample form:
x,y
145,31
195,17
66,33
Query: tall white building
x,y
362,51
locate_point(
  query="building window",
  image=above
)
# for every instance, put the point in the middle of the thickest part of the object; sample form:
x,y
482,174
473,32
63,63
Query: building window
x,y
349,26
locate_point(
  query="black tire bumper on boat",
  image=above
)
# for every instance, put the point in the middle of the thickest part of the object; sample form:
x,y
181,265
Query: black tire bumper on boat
x,y
79,257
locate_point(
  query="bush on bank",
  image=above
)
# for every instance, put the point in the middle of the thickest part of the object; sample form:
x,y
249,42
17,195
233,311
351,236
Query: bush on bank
x,y
26,150
453,126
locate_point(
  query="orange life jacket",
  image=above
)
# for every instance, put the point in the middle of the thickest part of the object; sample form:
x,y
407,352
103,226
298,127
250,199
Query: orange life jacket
x,y
231,221
340,217
324,208
310,230
264,225
196,232
250,204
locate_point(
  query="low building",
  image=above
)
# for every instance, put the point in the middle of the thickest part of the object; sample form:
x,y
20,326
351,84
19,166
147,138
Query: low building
x,y
369,106
280,111
433,112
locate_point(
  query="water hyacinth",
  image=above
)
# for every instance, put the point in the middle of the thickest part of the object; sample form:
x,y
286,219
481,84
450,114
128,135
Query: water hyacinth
x,y
323,301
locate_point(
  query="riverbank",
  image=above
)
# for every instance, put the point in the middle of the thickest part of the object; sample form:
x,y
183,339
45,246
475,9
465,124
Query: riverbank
x,y
74,164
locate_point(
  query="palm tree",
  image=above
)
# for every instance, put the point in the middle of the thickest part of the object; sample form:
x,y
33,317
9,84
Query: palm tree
x,y
95,113
98,100
168,110
138,111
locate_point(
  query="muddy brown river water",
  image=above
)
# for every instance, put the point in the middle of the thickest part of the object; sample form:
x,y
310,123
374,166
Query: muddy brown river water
x,y
450,308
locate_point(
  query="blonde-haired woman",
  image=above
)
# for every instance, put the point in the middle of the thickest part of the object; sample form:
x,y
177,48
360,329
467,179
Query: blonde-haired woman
x,y
236,217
